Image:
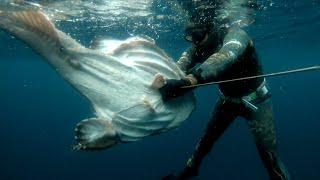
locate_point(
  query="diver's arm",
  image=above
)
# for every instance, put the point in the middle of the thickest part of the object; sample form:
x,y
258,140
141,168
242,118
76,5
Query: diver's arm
x,y
235,43
185,61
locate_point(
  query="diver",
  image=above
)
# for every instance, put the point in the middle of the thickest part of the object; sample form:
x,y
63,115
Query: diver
x,y
222,53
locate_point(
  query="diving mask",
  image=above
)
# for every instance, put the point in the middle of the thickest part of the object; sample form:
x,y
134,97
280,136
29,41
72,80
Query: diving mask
x,y
196,35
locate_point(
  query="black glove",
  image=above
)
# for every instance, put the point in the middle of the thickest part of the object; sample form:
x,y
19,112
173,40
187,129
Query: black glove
x,y
196,72
173,89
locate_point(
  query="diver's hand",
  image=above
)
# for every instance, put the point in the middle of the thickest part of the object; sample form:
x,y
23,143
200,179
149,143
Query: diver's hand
x,y
193,80
173,88
195,73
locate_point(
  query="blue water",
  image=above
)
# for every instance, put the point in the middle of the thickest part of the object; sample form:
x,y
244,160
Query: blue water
x,y
38,112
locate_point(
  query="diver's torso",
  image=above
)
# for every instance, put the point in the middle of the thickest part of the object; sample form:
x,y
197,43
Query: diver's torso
x,y
246,65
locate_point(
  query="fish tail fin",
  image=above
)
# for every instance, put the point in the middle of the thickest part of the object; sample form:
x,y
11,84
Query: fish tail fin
x,y
32,27
94,133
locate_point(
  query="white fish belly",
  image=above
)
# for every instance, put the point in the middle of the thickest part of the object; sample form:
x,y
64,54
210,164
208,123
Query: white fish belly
x,y
119,89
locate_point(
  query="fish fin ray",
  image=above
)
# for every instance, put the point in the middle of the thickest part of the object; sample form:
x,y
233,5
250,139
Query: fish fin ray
x,y
95,133
34,22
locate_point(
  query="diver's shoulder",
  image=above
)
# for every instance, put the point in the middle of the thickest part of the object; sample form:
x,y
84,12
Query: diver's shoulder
x,y
239,34
238,31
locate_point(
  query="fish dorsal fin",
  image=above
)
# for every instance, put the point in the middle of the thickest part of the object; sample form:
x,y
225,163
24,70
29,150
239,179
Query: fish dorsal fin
x,y
105,45
111,46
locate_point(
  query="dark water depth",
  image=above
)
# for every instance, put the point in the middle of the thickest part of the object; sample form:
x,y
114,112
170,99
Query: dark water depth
x,y
38,112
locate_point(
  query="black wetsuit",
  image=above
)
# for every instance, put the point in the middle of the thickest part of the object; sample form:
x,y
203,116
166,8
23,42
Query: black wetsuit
x,y
230,55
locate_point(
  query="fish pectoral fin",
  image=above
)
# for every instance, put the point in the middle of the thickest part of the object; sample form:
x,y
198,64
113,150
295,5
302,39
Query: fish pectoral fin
x,y
95,133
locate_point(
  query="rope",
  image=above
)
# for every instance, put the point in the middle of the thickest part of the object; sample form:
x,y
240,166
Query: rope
x,y
312,68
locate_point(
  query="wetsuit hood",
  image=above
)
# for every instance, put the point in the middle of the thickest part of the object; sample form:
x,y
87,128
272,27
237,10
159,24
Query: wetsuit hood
x,y
196,31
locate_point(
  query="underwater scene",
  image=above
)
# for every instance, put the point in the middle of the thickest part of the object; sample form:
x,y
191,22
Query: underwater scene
x,y
99,89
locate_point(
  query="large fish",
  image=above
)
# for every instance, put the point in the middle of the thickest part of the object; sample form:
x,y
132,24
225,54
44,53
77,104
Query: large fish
x,y
120,79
